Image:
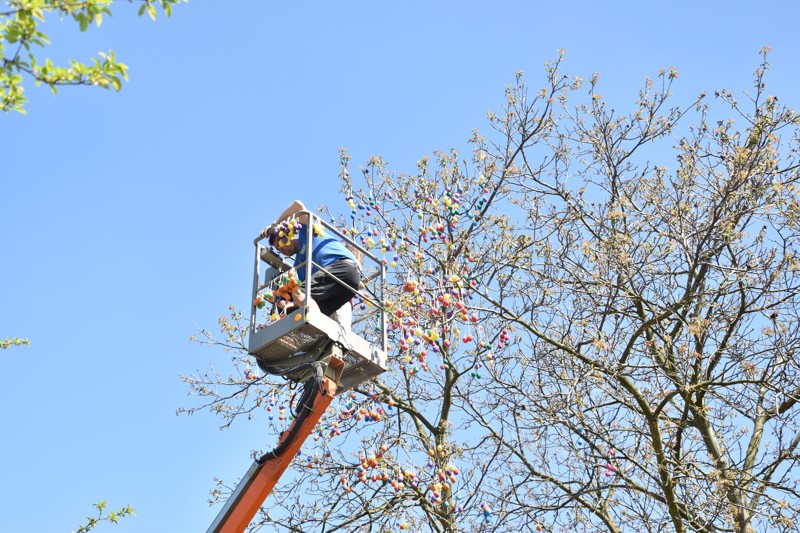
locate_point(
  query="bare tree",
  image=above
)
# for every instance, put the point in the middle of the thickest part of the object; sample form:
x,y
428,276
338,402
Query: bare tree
x,y
582,339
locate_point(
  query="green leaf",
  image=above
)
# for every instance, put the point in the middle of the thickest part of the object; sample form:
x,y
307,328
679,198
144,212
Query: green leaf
x,y
19,27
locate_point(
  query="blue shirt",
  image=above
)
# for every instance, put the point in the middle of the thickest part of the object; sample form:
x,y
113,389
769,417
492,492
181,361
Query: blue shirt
x,y
324,251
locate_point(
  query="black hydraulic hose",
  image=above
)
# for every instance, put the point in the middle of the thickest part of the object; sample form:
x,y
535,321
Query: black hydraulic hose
x,y
304,409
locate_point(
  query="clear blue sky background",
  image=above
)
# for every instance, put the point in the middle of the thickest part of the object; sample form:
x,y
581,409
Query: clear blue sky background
x,y
128,218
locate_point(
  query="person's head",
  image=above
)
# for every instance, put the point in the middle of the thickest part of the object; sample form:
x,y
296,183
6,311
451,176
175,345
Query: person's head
x,y
283,245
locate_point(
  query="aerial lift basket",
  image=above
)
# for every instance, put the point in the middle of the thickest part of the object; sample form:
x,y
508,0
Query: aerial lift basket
x,y
290,345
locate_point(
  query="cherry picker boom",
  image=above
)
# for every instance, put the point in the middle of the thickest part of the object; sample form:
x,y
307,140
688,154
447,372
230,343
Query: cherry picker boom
x,y
310,348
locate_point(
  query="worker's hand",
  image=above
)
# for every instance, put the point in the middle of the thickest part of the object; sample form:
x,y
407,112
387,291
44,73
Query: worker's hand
x,y
286,306
298,298
268,231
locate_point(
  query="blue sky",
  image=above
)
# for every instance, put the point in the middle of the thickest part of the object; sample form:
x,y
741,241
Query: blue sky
x,y
128,218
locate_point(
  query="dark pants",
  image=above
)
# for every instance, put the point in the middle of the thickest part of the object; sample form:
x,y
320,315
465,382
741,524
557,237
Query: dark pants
x,y
328,293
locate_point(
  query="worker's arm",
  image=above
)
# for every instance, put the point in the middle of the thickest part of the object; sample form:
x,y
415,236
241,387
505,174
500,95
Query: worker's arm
x,y
294,207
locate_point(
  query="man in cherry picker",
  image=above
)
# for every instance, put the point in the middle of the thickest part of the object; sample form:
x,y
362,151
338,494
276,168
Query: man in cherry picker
x,y
327,252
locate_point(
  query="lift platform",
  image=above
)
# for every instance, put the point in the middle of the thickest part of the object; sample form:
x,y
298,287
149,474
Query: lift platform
x,y
301,337
305,346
